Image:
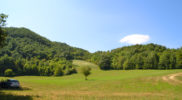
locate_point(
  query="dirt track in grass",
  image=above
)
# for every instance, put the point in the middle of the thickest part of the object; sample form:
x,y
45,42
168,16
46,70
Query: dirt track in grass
x,y
172,78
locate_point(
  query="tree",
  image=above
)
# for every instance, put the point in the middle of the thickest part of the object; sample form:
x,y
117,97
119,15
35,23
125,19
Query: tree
x,y
125,65
128,64
6,62
164,61
179,60
2,33
3,18
85,70
117,62
105,62
8,73
58,71
172,61
139,61
151,61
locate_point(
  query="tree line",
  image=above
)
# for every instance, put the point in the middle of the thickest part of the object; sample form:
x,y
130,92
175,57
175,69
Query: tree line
x,y
34,66
150,56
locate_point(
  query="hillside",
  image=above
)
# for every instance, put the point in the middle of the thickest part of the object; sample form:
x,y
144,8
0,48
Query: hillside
x,y
23,43
149,56
28,53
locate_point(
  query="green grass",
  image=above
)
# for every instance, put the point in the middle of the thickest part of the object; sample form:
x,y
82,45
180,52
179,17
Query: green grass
x,y
84,63
179,78
101,85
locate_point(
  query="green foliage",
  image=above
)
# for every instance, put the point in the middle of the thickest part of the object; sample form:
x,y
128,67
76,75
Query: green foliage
x,y
3,18
126,65
85,70
58,71
151,61
27,53
8,73
179,59
105,62
23,43
117,62
150,56
167,60
6,62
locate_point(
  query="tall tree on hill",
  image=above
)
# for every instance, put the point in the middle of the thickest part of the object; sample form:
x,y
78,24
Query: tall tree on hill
x,y
2,33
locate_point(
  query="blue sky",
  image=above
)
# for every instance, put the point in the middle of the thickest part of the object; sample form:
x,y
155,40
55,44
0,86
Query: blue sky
x,y
99,24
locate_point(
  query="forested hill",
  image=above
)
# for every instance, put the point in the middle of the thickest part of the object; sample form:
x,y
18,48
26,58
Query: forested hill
x,y
27,53
23,43
150,56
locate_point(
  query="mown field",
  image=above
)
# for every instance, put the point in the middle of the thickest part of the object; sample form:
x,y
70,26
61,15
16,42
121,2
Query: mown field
x,y
101,85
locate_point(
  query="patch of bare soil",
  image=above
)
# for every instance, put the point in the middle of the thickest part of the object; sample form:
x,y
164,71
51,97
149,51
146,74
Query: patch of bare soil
x,y
172,78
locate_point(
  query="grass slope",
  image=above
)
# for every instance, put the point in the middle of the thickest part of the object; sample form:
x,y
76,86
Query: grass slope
x,y
81,63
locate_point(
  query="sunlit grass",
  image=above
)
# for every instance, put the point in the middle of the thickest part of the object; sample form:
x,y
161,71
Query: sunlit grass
x,y
101,85
179,78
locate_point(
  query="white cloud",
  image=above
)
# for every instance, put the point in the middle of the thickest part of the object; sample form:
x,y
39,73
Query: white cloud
x,y
135,39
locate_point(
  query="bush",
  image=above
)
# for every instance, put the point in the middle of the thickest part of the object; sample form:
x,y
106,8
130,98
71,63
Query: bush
x,y
85,70
69,71
9,73
58,71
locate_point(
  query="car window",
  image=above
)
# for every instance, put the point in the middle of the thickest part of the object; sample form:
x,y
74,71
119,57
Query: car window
x,y
12,81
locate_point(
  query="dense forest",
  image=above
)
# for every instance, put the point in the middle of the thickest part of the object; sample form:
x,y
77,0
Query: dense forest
x,y
150,56
27,53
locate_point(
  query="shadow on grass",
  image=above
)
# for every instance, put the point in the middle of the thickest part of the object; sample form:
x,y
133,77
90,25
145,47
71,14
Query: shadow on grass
x,y
7,96
4,96
18,89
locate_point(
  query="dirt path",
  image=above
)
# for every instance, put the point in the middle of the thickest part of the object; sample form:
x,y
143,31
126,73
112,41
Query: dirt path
x,y
172,78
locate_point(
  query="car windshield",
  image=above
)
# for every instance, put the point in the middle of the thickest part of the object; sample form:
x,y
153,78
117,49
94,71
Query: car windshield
x,y
12,81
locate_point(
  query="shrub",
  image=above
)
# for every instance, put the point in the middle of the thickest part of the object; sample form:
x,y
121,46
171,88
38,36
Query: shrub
x,y
69,71
85,70
9,73
58,71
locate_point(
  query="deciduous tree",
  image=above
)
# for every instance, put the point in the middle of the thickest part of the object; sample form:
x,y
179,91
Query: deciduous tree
x,y
85,70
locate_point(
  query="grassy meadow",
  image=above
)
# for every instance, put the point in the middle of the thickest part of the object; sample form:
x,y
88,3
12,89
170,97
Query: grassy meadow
x,y
101,85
